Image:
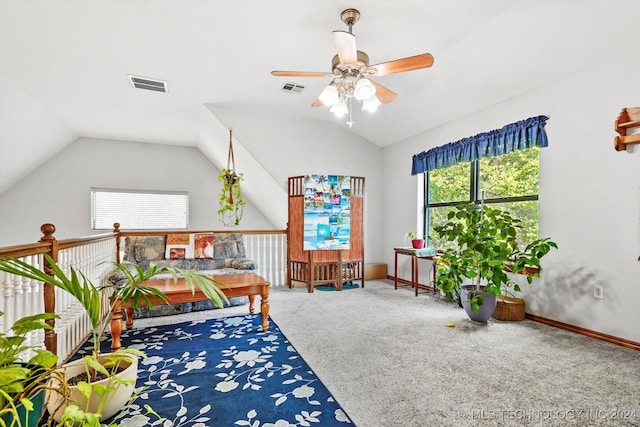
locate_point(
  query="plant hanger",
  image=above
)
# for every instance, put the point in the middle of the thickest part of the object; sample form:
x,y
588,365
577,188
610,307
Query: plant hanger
x,y
231,200
231,175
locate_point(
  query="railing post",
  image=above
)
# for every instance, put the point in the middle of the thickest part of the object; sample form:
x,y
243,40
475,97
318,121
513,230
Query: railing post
x,y
287,271
50,336
116,231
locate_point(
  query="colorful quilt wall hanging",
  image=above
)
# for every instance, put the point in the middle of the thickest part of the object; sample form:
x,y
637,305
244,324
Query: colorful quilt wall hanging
x,y
327,212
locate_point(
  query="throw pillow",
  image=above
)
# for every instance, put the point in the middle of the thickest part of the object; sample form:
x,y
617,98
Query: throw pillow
x,y
203,245
129,243
240,245
224,247
148,248
179,246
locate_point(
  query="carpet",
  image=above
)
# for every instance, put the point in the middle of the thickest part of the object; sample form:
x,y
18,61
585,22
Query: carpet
x,y
225,372
345,287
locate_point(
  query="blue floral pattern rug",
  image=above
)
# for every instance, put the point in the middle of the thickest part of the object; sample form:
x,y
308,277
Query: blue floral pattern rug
x,y
225,372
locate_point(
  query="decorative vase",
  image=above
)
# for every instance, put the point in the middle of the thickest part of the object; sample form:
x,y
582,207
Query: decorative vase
x,y
417,243
113,401
486,308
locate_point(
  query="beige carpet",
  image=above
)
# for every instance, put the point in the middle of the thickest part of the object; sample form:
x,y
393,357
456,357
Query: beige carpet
x,y
389,360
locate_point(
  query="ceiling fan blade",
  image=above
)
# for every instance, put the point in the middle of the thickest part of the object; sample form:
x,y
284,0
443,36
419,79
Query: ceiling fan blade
x,y
384,95
411,63
346,45
298,73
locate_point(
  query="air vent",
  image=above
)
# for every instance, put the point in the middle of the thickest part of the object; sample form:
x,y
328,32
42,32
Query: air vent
x,y
292,88
148,84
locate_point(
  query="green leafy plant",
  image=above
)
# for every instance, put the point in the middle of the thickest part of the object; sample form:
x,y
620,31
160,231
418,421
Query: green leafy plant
x,y
21,380
232,202
131,291
412,235
485,250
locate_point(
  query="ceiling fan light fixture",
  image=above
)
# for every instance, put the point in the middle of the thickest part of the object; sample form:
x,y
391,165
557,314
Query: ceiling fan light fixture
x,y
364,89
329,95
371,104
351,72
339,109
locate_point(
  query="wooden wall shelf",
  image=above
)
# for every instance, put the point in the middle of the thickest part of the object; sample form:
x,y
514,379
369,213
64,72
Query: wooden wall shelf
x,y
629,118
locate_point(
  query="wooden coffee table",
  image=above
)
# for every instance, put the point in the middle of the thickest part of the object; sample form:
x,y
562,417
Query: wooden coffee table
x,y
233,285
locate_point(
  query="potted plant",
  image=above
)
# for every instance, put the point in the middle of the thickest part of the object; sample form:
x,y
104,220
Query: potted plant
x,y
417,242
23,382
484,251
103,392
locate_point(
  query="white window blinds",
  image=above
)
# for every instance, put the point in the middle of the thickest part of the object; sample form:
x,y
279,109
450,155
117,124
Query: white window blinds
x,y
139,209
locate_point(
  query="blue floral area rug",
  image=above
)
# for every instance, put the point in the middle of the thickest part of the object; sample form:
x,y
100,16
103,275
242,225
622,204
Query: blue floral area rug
x,y
225,372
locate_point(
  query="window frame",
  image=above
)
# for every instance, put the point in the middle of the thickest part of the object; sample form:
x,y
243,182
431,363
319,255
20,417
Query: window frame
x,y
475,195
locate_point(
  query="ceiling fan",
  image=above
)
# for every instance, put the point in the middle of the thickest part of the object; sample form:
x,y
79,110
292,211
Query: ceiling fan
x,y
351,73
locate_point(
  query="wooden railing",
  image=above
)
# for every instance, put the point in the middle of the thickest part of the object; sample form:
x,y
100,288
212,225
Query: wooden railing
x,y
94,257
268,248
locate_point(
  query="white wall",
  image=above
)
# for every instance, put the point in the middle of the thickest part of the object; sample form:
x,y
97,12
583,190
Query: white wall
x,y
589,196
288,148
24,123
59,190
283,148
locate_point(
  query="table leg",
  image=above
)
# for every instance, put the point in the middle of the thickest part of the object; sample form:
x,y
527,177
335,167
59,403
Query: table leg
x,y
264,309
116,327
252,299
129,313
395,272
414,268
417,276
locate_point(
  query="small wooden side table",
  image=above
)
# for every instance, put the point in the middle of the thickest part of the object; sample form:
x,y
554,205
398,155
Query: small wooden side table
x,y
416,254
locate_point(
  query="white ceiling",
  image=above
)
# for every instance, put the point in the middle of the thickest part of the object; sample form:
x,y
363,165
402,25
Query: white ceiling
x,y
73,57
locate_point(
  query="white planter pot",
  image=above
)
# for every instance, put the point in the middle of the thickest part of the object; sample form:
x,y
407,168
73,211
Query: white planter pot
x,y
114,401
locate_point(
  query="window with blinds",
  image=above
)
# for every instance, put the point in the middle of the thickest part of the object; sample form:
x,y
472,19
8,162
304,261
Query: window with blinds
x,y
139,209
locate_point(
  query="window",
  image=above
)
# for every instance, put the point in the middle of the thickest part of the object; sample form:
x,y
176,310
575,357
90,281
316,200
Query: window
x,y
138,209
508,182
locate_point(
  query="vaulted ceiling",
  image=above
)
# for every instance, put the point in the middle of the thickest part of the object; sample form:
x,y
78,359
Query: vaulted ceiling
x,y
70,61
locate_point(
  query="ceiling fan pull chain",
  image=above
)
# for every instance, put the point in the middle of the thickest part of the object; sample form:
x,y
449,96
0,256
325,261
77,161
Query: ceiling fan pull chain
x,y
350,122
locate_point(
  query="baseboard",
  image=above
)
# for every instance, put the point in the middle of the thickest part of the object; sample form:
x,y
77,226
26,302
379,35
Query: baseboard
x,y
375,271
567,327
586,332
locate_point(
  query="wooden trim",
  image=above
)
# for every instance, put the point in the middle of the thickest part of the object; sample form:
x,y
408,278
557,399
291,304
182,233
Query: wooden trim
x,y
165,232
19,251
586,332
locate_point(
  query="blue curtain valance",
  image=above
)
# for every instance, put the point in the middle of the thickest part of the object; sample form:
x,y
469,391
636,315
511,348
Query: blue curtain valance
x,y
512,137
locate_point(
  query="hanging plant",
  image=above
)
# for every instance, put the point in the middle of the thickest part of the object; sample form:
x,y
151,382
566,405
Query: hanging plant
x,y
231,201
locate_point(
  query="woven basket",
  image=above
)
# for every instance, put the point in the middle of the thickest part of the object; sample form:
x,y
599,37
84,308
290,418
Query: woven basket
x,y
509,308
